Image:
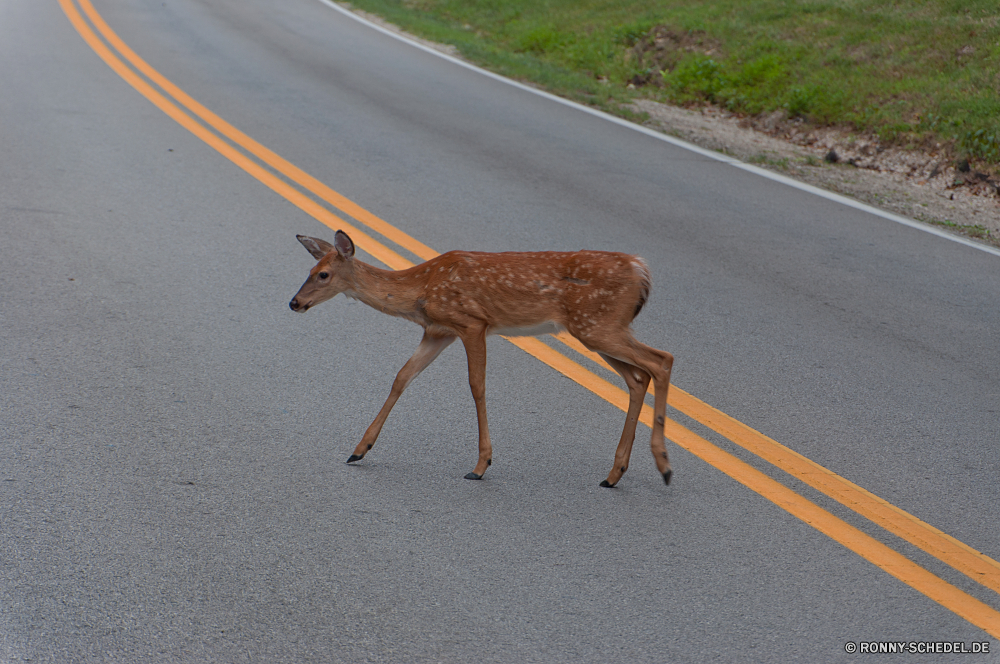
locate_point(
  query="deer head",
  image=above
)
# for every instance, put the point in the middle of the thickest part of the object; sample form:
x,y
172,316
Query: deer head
x,y
330,276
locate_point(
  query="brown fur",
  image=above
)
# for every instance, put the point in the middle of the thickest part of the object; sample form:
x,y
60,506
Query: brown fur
x,y
594,295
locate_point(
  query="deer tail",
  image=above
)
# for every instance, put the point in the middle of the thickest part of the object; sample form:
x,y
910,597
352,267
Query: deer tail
x,y
645,283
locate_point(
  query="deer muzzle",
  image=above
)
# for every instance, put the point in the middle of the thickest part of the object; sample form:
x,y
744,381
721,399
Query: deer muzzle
x,y
295,305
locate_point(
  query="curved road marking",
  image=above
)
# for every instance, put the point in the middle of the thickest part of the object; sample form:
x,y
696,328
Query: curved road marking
x,y
959,555
956,554
977,566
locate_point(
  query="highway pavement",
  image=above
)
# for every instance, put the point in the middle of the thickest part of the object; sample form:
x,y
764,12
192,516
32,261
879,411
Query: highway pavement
x,y
173,439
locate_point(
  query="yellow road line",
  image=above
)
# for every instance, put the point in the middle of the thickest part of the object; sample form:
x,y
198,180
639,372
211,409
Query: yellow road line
x,y
977,566
894,563
955,553
276,162
869,548
300,200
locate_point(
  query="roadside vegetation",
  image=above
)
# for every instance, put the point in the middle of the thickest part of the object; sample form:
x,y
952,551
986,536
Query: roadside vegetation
x,y
914,73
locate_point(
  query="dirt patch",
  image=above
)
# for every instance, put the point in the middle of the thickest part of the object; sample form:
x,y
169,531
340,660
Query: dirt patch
x,y
926,185
662,48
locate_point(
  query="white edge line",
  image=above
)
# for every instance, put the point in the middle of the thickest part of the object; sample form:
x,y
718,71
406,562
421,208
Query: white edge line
x,y
726,159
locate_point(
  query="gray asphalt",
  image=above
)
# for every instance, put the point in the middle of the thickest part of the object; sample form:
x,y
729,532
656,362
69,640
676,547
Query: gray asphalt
x,y
173,438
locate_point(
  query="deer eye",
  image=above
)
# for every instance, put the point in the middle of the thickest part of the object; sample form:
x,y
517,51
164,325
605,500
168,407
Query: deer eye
x,y
324,275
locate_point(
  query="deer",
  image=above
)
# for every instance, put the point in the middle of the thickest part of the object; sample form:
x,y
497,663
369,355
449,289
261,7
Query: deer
x,y
468,295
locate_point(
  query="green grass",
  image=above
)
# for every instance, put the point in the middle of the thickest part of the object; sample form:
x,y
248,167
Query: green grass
x,y
913,72
970,230
781,163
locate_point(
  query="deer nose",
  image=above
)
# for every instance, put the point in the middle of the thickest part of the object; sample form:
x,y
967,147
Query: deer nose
x,y
294,304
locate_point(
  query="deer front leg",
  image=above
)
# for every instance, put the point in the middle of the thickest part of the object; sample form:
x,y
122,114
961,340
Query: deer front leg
x,y
637,381
475,349
428,350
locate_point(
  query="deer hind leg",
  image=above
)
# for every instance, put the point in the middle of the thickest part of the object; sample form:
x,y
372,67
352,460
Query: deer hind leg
x,y
637,381
657,364
475,349
428,350
657,442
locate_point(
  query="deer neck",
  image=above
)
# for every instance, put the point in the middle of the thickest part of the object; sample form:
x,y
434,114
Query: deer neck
x,y
389,291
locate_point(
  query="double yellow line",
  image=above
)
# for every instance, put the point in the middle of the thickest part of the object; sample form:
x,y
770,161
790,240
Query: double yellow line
x,y
236,146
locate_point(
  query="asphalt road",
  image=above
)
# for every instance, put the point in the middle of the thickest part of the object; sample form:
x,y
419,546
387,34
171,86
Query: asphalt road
x,y
173,438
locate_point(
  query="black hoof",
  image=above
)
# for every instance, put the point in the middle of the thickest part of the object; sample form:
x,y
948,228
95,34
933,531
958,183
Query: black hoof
x,y
666,477
353,458
473,476
607,485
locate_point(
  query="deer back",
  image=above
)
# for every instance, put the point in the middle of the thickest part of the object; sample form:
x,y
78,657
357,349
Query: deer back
x,y
528,293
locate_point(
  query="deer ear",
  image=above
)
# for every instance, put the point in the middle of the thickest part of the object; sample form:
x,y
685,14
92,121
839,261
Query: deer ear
x,y
318,248
344,245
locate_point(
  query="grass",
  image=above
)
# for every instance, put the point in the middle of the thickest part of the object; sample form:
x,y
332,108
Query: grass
x,y
912,72
781,163
970,230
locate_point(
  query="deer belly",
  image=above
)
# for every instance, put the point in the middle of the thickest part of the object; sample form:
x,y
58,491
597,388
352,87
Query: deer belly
x,y
538,329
